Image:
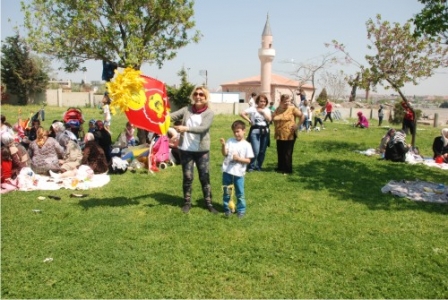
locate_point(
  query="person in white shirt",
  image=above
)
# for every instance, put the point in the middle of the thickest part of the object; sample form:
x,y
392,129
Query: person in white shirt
x,y
305,109
237,154
252,100
259,117
106,111
194,145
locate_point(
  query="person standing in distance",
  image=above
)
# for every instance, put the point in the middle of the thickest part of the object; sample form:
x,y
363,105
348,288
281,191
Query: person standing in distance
x,y
380,114
328,111
194,145
251,101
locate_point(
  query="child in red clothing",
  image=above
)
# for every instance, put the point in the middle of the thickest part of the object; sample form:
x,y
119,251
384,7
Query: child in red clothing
x,y
7,183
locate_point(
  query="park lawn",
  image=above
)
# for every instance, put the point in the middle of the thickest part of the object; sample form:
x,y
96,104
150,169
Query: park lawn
x,y
326,231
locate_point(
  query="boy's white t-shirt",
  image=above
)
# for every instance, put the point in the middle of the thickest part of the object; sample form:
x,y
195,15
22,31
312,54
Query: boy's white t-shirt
x,y
243,149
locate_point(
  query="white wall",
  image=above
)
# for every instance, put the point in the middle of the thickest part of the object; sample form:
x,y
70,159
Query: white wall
x,y
224,97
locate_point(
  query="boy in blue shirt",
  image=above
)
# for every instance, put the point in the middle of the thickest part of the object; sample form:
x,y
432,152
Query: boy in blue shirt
x,y
238,153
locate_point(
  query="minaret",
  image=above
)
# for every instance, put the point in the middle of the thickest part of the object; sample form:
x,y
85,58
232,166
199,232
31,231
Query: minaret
x,y
266,54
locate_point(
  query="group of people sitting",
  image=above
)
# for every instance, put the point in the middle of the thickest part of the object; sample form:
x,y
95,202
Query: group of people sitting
x,y
56,152
393,146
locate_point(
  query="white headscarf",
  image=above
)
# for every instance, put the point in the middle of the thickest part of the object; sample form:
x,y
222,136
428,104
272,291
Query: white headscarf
x,y
7,138
89,137
444,136
58,127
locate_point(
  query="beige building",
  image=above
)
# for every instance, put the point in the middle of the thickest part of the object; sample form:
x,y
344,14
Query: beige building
x,y
267,83
279,85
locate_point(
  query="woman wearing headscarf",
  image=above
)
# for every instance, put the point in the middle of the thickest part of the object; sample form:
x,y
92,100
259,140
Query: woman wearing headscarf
x,y
5,126
397,148
385,140
287,119
194,145
45,153
93,155
440,146
103,138
19,154
362,121
67,139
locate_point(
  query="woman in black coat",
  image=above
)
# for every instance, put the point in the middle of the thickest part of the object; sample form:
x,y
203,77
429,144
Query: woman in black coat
x,y
103,138
440,146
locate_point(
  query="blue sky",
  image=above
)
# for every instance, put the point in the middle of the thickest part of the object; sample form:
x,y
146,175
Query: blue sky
x,y
232,36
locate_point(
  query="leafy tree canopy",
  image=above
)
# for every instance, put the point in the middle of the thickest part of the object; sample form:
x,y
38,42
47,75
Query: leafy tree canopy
x,y
399,56
322,98
128,32
23,73
180,96
433,19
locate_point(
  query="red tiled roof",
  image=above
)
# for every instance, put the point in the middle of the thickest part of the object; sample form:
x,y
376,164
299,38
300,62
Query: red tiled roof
x,y
275,80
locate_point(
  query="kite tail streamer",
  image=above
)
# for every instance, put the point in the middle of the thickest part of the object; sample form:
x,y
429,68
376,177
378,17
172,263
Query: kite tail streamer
x,y
231,190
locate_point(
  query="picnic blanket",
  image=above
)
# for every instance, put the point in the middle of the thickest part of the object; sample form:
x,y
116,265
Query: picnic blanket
x,y
411,158
30,181
417,191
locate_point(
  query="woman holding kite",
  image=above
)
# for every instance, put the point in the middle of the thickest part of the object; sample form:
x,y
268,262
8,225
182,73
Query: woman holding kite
x,y
194,145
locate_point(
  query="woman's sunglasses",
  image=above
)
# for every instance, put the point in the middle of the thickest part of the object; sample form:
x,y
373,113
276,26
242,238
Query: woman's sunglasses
x,y
200,94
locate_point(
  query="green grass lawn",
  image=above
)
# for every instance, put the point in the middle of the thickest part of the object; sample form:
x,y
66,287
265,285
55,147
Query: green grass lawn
x,y
326,231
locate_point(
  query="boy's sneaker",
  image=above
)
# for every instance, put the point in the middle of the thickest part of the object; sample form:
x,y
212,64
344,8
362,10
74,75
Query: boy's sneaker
x,y
240,215
227,214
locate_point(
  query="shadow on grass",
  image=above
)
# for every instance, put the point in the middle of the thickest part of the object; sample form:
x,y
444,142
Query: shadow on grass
x,y
169,199
361,181
117,201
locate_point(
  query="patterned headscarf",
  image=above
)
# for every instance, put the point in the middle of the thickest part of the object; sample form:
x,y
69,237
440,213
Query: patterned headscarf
x,y
399,137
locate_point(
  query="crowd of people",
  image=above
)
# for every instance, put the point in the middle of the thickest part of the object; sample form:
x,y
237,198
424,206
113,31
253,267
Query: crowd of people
x,y
57,151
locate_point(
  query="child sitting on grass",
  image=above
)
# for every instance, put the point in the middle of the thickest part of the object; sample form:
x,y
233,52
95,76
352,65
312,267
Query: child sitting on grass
x,y
8,184
129,131
238,153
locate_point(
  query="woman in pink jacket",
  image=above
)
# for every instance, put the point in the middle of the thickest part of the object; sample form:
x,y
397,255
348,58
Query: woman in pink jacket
x,y
362,121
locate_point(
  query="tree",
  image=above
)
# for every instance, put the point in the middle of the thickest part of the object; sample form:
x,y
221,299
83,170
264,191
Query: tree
x,y
335,83
399,114
322,98
23,73
127,32
444,105
180,97
400,57
307,72
432,20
